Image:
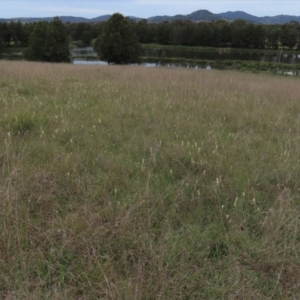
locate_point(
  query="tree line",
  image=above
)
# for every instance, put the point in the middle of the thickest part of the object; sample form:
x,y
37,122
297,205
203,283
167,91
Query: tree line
x,y
237,34
43,41
46,39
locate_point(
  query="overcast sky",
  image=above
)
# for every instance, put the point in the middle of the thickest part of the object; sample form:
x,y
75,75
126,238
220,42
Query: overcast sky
x,y
142,8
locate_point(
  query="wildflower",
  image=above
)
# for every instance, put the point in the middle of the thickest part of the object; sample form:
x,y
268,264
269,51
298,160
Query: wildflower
x,y
235,201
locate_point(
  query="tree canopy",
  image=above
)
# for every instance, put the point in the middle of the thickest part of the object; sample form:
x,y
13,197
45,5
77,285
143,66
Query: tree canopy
x,y
48,42
118,43
123,38
1,45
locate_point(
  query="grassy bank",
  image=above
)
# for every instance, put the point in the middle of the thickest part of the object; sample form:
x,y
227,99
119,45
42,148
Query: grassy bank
x,y
238,65
12,53
140,183
265,51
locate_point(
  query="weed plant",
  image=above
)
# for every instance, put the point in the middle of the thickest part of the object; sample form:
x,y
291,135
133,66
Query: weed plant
x,y
135,183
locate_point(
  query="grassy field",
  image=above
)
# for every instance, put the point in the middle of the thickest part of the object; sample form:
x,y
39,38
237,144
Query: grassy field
x,y
138,183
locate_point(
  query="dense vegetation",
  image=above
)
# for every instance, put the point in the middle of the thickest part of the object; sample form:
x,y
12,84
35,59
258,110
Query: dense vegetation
x,y
48,42
135,183
239,33
15,34
118,43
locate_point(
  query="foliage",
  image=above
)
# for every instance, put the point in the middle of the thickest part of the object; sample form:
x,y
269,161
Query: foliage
x,y
48,42
118,44
84,32
144,32
36,50
238,34
290,34
1,44
4,36
15,34
272,36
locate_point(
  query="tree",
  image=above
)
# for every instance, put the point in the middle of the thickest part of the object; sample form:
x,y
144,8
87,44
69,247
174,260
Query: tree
x,y
17,34
176,33
238,33
272,36
56,44
118,43
36,50
289,34
188,34
48,42
203,34
163,33
143,31
1,39
5,34
86,37
1,45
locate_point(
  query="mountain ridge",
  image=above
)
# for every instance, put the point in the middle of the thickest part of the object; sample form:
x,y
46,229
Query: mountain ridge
x,y
196,16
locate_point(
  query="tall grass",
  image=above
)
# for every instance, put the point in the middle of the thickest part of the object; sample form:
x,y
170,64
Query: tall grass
x,y
135,183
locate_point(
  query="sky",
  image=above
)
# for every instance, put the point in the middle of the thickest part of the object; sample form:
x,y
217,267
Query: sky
x,y
142,8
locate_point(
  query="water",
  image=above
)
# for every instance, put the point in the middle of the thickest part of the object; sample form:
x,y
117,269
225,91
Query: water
x,y
89,59
89,62
87,51
204,55
225,55
145,64
87,56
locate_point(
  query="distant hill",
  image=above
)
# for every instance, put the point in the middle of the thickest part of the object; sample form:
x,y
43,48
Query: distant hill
x,y
202,15
100,19
64,19
234,15
281,19
196,16
199,15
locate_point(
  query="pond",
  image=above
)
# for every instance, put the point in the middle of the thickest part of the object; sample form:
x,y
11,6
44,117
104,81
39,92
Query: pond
x,y
245,61
145,64
87,51
286,58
